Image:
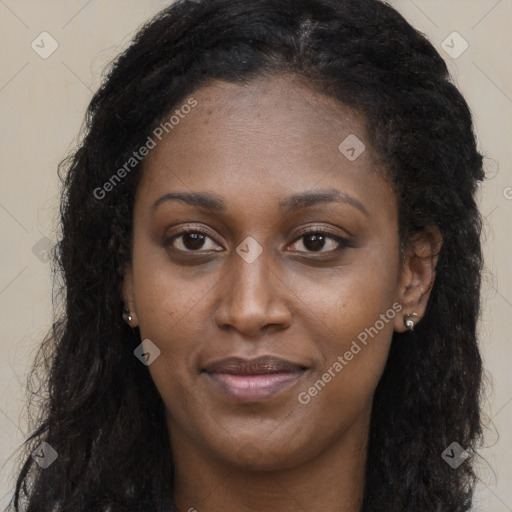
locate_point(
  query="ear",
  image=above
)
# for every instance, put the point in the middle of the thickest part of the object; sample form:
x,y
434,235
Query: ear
x,y
418,274
127,293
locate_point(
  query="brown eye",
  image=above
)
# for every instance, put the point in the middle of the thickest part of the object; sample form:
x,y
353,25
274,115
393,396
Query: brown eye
x,y
191,240
316,241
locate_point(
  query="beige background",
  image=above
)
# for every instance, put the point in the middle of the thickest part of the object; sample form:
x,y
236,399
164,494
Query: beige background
x,y
42,102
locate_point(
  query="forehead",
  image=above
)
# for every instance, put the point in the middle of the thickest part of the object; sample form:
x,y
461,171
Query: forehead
x,y
281,113
263,140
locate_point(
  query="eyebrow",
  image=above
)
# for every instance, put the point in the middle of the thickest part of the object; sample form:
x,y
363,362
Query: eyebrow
x,y
290,204
200,199
308,199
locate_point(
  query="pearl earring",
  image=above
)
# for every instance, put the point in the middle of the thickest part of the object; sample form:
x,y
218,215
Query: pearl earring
x,y
127,317
409,321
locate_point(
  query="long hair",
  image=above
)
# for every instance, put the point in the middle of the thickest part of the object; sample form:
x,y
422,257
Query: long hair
x,y
102,413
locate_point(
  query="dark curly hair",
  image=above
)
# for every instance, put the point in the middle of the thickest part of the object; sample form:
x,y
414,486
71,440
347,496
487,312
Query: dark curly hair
x,y
101,411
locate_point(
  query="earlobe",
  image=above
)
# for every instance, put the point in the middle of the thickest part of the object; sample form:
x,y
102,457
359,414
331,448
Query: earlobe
x,y
417,277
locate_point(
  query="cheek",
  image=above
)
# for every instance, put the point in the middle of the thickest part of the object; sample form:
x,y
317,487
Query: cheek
x,y
166,296
169,313
354,321
352,298
353,353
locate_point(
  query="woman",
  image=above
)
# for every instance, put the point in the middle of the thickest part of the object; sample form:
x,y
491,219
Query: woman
x,y
271,260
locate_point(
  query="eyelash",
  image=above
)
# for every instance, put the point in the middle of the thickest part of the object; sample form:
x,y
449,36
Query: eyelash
x,y
341,241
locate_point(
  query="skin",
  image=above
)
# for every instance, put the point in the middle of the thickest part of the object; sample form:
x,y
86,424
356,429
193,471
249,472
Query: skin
x,y
254,145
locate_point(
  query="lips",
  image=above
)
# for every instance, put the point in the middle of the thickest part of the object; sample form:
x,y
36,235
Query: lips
x,y
253,380
259,366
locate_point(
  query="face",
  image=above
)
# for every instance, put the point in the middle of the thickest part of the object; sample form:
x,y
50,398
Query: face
x,y
278,249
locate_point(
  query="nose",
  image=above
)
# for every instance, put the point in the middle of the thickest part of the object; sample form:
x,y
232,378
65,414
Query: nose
x,y
252,298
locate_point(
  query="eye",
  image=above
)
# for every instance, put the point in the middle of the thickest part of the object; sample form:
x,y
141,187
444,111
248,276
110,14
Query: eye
x,y
190,240
317,240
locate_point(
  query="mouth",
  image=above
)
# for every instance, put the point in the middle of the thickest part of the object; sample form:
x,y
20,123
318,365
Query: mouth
x,y
253,380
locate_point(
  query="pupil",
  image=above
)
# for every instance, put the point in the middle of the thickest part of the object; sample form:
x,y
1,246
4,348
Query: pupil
x,y
317,242
193,240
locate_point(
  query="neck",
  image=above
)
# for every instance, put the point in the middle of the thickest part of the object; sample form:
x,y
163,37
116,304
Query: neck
x,y
331,481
